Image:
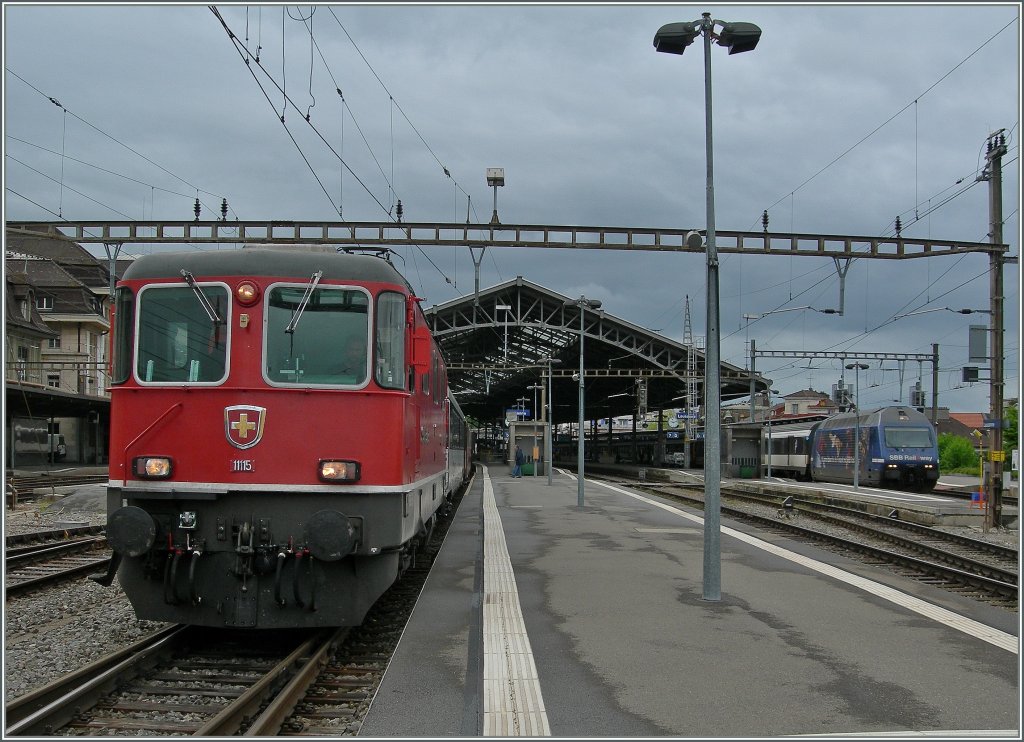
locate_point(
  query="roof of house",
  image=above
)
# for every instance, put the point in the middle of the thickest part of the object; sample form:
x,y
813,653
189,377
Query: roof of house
x,y
19,287
955,427
973,420
74,258
67,293
806,394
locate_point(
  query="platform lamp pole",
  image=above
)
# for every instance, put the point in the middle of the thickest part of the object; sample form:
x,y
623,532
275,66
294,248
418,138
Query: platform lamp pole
x,y
583,302
856,403
535,387
673,38
548,443
768,420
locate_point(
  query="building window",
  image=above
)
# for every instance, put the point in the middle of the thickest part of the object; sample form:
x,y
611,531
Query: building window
x,y
53,343
53,380
44,303
22,365
794,409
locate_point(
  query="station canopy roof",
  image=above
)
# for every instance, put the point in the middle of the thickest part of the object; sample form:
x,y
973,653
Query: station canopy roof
x,y
495,344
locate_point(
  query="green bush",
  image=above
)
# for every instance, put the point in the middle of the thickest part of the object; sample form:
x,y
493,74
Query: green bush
x,y
956,453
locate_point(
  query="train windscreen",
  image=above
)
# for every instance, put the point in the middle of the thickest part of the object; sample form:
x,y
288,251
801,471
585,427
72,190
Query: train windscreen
x,y
178,339
317,337
908,438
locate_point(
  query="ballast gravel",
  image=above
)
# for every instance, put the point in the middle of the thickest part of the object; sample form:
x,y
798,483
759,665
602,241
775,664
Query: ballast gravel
x,y
67,626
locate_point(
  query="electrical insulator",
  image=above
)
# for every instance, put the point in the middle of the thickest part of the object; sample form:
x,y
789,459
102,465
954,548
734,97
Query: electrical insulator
x,y
899,226
398,210
197,208
224,210
764,220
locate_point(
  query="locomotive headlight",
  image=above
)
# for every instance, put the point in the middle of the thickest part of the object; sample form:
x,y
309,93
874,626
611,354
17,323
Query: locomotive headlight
x,y
187,520
335,470
152,467
247,293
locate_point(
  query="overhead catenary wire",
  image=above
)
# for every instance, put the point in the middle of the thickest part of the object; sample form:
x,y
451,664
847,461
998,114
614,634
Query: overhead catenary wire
x,y
116,140
889,120
73,190
100,168
433,154
239,48
347,107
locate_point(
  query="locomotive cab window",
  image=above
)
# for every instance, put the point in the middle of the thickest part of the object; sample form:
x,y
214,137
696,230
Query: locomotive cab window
x,y
124,316
390,369
181,339
317,336
908,438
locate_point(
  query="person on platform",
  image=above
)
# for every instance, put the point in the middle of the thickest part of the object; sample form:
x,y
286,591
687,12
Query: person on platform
x,y
517,470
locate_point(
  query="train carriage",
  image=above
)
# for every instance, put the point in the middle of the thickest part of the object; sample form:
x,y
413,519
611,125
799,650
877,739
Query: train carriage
x,y
282,435
787,449
898,449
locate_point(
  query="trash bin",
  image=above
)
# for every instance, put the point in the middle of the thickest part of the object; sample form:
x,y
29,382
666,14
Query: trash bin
x,y
527,470
746,472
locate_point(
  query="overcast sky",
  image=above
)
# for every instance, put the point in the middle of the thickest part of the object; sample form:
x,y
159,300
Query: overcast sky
x,y
843,118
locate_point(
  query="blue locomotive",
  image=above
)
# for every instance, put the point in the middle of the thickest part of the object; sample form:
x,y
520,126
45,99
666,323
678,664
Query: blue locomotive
x,y
898,448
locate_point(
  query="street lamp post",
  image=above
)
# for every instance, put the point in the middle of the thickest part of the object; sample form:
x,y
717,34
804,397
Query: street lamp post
x,y
768,420
856,403
535,387
583,302
548,443
673,38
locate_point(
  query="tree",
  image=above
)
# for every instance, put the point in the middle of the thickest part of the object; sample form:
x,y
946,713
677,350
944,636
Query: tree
x,y
956,453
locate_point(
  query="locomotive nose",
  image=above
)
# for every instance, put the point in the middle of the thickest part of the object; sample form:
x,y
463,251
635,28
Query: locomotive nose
x,y
131,531
330,535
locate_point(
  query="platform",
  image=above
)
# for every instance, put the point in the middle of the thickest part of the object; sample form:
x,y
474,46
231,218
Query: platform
x,y
542,618
942,507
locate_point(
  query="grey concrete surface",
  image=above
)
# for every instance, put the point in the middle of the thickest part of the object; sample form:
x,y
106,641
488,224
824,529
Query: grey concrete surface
x,y
626,646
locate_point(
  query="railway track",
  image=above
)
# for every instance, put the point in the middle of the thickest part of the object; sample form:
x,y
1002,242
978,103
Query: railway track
x,y
25,484
49,536
981,570
202,682
183,680
33,566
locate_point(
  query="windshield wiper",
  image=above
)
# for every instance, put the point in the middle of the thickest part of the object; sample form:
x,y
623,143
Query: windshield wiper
x,y
313,281
211,312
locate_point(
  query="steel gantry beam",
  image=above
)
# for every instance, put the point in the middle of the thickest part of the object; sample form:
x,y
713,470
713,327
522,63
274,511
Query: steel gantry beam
x,y
932,358
380,235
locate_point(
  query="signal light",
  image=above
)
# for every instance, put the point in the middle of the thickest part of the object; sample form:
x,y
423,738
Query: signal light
x,y
152,467
335,470
247,293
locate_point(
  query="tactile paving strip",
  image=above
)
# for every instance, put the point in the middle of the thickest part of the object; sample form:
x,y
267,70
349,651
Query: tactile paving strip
x,y
513,704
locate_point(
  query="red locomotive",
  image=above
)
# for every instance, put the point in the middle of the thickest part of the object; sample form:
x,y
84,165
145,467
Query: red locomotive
x,y
282,436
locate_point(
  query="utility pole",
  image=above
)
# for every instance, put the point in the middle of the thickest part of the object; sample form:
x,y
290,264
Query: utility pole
x,y
993,173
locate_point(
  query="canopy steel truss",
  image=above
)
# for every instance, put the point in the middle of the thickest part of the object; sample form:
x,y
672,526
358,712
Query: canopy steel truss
x,y
544,323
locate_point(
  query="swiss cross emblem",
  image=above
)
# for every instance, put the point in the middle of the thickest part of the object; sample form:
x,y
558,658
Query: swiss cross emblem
x,y
243,425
